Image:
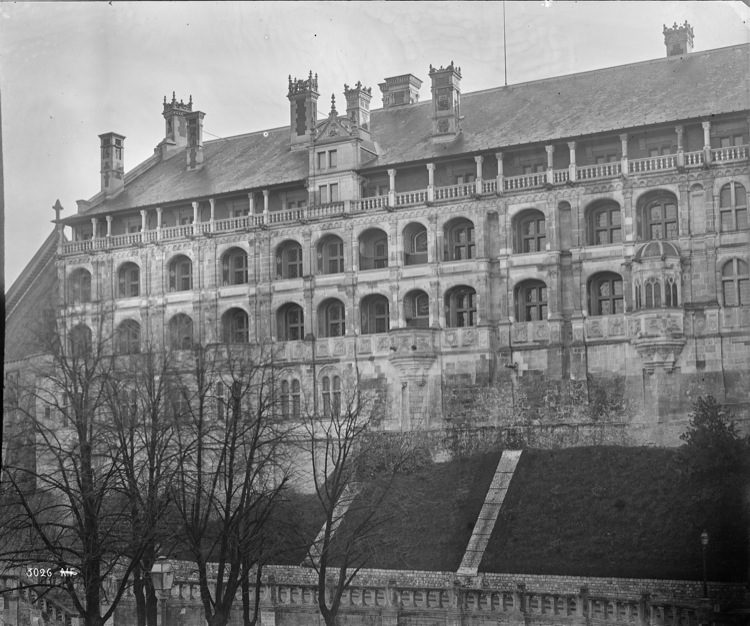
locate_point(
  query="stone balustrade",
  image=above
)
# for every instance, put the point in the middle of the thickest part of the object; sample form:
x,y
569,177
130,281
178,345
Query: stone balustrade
x,y
455,191
412,198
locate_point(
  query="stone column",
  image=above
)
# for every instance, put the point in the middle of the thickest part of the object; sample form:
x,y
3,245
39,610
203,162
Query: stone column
x,y
706,142
109,225
212,219
550,173
144,223
624,148
94,231
251,199
680,148
195,218
478,160
430,182
500,177
392,187
434,241
572,167
158,222
628,216
266,194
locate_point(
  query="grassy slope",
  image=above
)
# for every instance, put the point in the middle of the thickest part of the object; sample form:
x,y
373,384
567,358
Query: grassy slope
x,y
624,512
431,515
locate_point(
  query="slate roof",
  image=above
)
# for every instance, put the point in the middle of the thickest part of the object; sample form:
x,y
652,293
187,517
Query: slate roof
x,y
628,96
35,290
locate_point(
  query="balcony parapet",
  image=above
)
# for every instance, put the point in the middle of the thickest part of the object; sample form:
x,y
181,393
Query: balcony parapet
x,y
524,182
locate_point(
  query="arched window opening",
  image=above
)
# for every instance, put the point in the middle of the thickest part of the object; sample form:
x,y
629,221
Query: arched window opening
x,y
285,397
659,218
733,207
129,280
531,232
735,283
459,240
79,286
290,399
331,391
181,332
289,260
531,298
80,341
653,293
375,315
128,337
604,224
373,249
290,323
234,267
236,326
605,291
417,309
296,400
461,307
180,274
331,255
670,292
415,244
332,319
638,299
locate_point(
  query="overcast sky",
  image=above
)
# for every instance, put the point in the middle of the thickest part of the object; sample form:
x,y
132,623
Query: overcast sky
x,y
71,71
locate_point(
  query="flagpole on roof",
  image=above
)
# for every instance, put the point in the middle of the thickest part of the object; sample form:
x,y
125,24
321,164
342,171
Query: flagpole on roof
x,y
505,50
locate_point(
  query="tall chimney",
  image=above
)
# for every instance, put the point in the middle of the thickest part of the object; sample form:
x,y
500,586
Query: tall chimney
x,y
446,102
112,163
358,104
398,90
678,39
175,135
194,139
303,99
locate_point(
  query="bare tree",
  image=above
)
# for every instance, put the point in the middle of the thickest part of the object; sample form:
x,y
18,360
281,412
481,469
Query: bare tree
x,y
142,430
353,469
62,507
231,473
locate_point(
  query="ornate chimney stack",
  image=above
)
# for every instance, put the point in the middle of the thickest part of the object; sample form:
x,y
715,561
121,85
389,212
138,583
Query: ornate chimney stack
x,y
194,139
398,90
176,126
303,98
358,104
112,163
446,102
678,39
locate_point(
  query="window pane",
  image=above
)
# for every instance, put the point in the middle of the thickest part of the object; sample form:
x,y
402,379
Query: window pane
x,y
423,306
334,192
730,296
656,231
672,231
725,198
671,211
741,218
726,221
619,308
616,235
601,219
744,292
655,213
617,284
615,217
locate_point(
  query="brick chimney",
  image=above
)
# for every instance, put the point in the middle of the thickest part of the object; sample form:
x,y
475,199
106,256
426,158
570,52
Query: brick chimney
x,y
174,113
678,39
398,90
112,163
194,121
303,100
446,102
358,104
